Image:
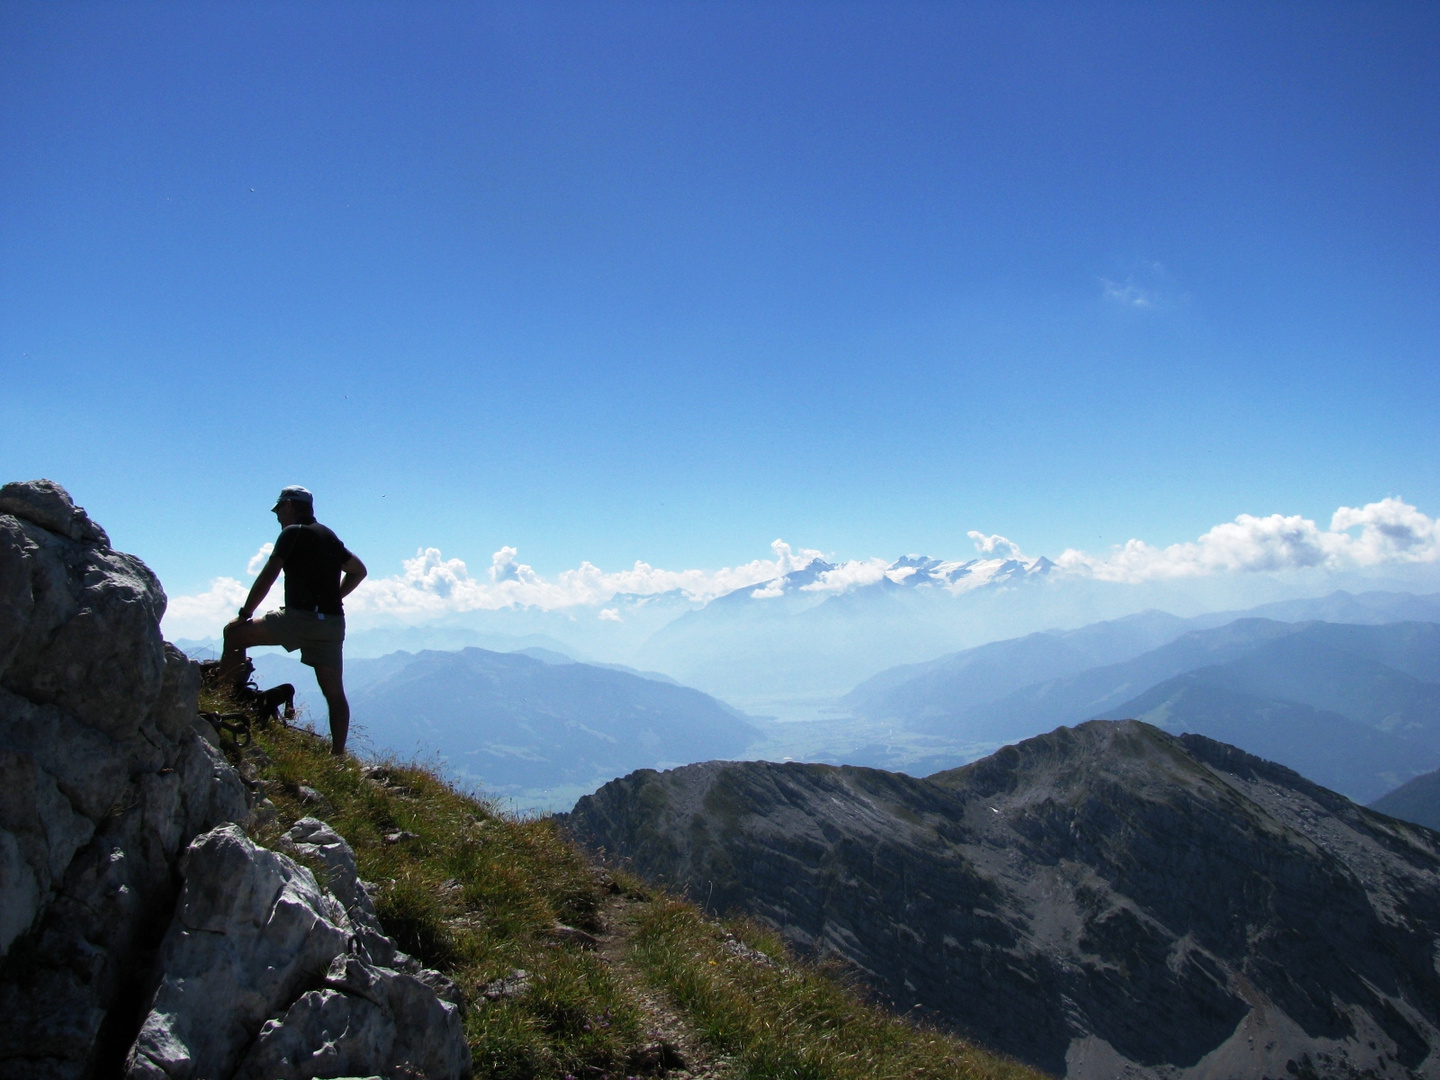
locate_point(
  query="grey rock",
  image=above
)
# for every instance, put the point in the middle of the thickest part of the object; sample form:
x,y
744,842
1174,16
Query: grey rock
x,y
82,961
314,839
53,1033
251,929
174,710
45,830
365,1017
19,891
213,790
90,641
16,598
507,986
206,730
324,1033
310,797
570,935
33,808
103,781
49,505
92,769
1101,901
258,980
265,812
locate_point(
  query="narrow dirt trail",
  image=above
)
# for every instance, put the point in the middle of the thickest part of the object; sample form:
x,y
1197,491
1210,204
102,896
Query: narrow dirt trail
x,y
664,1024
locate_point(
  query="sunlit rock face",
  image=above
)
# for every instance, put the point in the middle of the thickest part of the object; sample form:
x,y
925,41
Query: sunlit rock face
x,y
262,974
1100,901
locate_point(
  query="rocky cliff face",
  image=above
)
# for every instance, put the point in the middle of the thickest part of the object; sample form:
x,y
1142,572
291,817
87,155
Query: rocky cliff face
x,y
1101,901
127,904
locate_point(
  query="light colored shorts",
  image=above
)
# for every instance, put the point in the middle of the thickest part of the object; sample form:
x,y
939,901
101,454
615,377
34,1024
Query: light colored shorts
x,y
318,637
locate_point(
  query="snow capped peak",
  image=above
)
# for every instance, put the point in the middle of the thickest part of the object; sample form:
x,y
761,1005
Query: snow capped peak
x,y
806,577
818,577
920,571
919,562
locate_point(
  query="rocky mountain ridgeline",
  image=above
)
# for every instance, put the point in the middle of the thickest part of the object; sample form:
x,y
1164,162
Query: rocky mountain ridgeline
x,y
141,931
1102,901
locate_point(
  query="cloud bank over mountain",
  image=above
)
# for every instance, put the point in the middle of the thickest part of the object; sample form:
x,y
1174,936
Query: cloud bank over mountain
x,y
1390,531
1387,533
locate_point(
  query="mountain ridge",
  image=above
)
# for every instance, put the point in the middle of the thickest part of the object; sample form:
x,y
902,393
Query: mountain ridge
x,y
1101,900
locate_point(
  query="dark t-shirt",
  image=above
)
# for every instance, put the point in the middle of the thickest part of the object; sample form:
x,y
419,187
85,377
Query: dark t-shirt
x,y
312,556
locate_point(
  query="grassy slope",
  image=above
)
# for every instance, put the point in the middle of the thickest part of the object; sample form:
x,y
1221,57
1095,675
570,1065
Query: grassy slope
x,y
478,894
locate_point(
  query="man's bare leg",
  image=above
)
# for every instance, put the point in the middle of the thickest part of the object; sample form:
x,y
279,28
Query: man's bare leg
x,y
332,685
239,636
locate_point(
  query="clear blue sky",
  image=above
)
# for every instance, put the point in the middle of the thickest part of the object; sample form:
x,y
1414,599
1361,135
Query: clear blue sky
x,y
667,281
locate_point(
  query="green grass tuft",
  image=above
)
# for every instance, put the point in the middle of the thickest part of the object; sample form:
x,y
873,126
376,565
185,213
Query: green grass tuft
x,y
787,1019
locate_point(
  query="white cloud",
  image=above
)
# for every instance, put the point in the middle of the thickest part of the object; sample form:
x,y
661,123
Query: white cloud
x,y
429,585
259,559
849,575
1389,531
203,614
995,547
503,567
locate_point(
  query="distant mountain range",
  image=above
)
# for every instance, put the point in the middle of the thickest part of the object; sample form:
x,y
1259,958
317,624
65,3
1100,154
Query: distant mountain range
x,y
798,635
818,630
1103,901
795,636
913,692
1353,706
537,729
1356,707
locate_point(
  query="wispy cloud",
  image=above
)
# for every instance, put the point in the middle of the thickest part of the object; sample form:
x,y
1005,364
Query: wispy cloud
x,y
1147,287
1129,294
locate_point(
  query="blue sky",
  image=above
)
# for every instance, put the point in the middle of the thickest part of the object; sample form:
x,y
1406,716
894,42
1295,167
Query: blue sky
x,y
611,282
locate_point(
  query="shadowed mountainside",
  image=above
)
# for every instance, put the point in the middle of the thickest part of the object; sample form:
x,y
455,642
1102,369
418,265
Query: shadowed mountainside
x,y
1339,753
1417,801
1091,900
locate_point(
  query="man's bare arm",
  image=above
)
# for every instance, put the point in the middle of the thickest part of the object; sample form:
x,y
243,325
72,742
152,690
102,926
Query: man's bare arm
x,y
354,571
262,586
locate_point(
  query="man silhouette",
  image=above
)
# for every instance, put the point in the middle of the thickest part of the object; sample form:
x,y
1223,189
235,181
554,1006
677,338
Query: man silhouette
x,y
319,572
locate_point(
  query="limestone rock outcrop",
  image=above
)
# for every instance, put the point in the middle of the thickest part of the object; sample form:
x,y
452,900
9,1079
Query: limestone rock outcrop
x,y
263,978
129,901
1102,901
103,780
